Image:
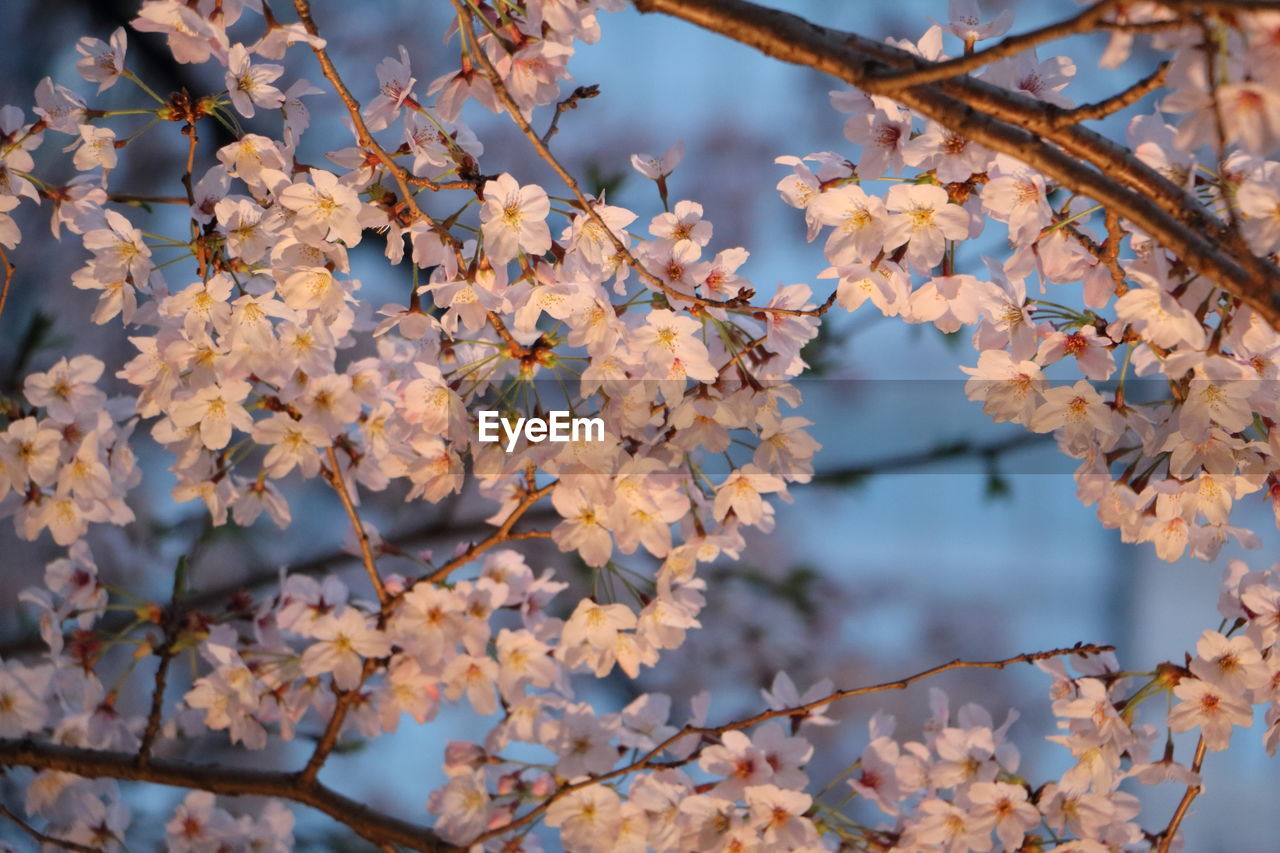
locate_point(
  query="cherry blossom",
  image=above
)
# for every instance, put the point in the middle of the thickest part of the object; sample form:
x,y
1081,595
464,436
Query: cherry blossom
x,y
249,86
259,365
514,219
921,217
102,62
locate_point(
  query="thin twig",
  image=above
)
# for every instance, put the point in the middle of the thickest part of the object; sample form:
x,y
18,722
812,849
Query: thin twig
x,y
1111,252
7,270
1219,123
442,528
155,715
363,136
514,348
1118,101
402,177
1011,46
132,198
741,301
648,759
1142,28
171,622
333,728
497,537
570,103
267,575
339,483
157,704
1193,791
509,102
42,838
188,179
922,459
441,185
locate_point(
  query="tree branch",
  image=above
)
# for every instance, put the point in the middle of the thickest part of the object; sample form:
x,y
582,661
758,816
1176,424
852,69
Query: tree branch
x,y
133,198
648,759
741,301
513,108
42,838
1028,130
570,103
402,176
333,728
1118,101
363,136
374,826
266,575
6,270
1084,22
156,713
497,537
335,478
441,528
921,459
1193,791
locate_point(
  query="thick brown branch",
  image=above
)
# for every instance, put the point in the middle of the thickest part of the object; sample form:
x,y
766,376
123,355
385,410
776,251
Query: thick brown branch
x,y
1223,5
372,825
1011,124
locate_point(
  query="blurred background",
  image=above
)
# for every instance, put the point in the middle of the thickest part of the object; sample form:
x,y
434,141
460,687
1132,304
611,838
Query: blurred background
x,y
929,534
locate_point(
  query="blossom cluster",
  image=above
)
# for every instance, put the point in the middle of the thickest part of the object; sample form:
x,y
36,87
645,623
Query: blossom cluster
x,y
1164,466
959,785
257,361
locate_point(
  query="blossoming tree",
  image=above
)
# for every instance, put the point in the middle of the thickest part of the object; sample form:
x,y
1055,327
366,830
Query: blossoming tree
x,y
257,362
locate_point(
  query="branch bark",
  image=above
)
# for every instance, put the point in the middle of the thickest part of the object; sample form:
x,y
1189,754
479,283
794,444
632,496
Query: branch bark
x,y
339,483
1120,100
374,826
1184,805
1029,130
1013,45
